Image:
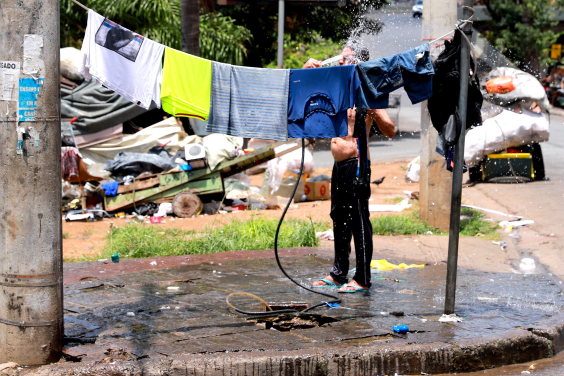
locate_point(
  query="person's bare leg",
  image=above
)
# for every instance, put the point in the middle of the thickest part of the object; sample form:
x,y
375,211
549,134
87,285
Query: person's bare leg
x,y
322,283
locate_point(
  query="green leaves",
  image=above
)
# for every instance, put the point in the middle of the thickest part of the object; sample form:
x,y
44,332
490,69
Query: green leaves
x,y
523,30
222,40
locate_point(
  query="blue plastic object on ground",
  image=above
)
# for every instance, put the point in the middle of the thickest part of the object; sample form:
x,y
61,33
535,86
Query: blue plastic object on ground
x,y
333,305
401,329
186,167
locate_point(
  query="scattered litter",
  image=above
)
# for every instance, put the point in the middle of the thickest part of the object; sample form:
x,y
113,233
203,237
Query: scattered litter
x,y
333,305
516,223
325,235
155,219
527,264
102,260
153,263
423,320
396,313
401,329
385,313
130,314
115,258
385,265
174,288
388,279
390,208
165,307
525,372
491,211
413,173
502,244
450,318
484,299
429,232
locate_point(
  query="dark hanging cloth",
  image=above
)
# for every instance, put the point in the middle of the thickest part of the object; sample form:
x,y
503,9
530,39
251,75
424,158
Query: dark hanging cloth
x,y
443,105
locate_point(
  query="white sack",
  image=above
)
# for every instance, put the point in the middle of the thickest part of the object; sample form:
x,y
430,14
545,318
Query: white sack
x,y
413,172
71,59
503,131
278,167
527,89
218,147
158,134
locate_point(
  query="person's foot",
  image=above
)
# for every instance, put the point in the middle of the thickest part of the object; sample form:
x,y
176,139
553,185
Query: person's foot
x,y
349,286
322,283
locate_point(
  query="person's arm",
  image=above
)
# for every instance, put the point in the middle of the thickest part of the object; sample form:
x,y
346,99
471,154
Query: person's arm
x,y
383,122
312,63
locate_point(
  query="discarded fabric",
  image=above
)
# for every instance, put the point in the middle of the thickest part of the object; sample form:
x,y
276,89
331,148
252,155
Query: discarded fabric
x,y
450,318
111,188
385,265
325,235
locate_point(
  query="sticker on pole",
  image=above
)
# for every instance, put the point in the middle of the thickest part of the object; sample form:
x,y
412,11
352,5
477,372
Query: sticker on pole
x,y
29,89
9,79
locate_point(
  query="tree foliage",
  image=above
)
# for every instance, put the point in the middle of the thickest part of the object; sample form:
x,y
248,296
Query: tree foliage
x,y
523,30
303,24
220,38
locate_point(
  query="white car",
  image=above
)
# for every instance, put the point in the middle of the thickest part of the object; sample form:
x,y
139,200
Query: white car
x,y
417,9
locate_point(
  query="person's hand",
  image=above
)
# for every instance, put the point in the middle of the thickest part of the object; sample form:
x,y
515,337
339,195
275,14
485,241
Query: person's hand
x,y
312,63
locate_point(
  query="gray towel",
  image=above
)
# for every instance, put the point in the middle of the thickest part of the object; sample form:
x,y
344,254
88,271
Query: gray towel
x,y
249,102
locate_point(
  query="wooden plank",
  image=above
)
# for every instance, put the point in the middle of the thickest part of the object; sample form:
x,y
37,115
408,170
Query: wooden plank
x,y
138,185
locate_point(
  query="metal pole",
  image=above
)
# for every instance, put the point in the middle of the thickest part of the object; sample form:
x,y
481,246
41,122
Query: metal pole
x,y
31,298
280,60
457,173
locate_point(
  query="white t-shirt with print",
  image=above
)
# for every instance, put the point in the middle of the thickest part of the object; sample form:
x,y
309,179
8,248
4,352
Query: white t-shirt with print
x,y
123,61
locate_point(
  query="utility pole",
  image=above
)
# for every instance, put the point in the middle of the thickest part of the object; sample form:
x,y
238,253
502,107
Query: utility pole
x,y
456,200
31,297
281,17
435,185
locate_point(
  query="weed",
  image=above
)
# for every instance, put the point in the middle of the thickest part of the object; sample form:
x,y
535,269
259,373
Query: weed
x,y
402,224
66,235
395,200
474,224
88,232
257,233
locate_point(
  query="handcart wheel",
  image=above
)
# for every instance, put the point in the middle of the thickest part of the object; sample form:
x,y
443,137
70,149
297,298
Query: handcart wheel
x,y
186,204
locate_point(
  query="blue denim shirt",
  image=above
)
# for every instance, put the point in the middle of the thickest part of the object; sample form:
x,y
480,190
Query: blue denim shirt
x,y
411,69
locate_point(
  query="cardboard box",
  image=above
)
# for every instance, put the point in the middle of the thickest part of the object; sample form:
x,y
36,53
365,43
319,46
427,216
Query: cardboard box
x,y
317,190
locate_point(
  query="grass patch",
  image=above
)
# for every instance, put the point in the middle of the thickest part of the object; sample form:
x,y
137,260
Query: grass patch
x,y
402,224
66,235
257,233
88,232
475,225
409,224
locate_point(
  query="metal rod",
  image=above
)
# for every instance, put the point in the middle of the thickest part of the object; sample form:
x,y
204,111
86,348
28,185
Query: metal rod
x,y
456,200
280,60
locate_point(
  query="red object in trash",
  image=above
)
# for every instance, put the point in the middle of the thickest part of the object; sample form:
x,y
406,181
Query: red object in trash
x,y
155,219
500,85
238,208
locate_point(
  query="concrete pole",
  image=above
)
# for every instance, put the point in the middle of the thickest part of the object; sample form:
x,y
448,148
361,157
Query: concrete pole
x,y
456,200
281,17
435,187
31,299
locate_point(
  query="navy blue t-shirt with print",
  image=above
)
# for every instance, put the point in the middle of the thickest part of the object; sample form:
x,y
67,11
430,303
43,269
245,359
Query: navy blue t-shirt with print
x,y
318,101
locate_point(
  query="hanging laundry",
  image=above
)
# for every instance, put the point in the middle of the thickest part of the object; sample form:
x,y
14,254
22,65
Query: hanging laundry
x,y
249,102
446,90
319,99
411,70
186,85
122,60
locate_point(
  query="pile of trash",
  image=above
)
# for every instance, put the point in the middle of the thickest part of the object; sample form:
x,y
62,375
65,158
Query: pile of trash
x,y
113,149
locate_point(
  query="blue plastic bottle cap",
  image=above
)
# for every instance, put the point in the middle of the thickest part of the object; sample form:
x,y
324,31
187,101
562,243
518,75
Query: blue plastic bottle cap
x,y
401,329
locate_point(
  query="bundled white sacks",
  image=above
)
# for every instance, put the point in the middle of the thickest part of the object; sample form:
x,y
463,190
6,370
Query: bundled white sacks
x,y
508,129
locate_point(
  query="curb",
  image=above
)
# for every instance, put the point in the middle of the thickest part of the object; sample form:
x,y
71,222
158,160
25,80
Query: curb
x,y
518,346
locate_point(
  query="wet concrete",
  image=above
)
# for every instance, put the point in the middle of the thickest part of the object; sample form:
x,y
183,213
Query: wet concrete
x,y
144,315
